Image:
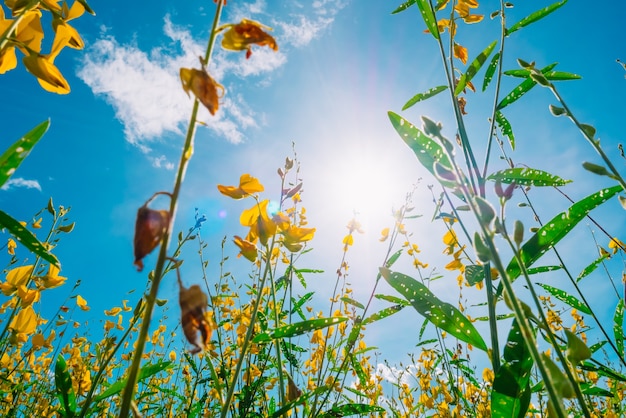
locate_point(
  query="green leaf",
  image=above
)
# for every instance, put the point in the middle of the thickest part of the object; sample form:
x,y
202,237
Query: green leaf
x,y
352,302
491,70
423,96
618,327
522,89
403,6
474,67
392,299
16,153
299,328
592,390
588,130
299,400
474,274
528,177
603,370
550,75
429,17
557,111
65,392
597,169
351,409
557,228
27,239
542,269
511,391
505,127
146,371
566,298
384,313
297,306
360,373
591,267
535,16
426,150
443,315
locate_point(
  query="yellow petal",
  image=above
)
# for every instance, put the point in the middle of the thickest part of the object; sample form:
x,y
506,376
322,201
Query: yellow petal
x,y
8,60
11,246
76,10
248,249
25,322
460,52
49,77
82,303
19,275
247,186
29,32
384,235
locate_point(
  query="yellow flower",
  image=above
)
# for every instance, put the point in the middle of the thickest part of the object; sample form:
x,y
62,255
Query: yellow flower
x,y
25,322
241,36
460,52
42,66
462,8
384,235
202,86
616,245
113,311
82,303
248,185
294,236
52,279
28,296
15,278
261,226
172,355
11,246
248,249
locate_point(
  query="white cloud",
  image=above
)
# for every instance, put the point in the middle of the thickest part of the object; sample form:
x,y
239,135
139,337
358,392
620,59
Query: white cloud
x,y
162,162
143,87
301,32
145,90
21,182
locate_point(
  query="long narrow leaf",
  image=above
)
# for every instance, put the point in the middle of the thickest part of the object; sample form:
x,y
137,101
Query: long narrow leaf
x,y
423,96
474,67
443,315
566,298
550,75
429,17
384,313
426,150
557,228
403,6
145,372
523,88
535,16
351,409
505,127
26,238
11,159
528,177
299,328
591,267
618,327
491,70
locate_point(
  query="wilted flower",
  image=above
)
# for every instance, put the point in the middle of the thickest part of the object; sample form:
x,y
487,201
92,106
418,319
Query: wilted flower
x,y
149,230
241,36
193,303
202,86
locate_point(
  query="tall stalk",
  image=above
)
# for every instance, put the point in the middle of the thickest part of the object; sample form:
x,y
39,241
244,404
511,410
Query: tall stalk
x,y
187,152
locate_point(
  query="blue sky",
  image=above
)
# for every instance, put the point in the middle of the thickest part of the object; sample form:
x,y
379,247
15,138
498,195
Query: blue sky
x,y
341,66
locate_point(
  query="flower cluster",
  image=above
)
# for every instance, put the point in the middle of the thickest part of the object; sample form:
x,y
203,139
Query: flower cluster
x,y
25,33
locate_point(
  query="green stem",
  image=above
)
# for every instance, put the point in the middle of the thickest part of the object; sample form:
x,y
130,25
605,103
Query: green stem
x,y
496,97
248,339
133,374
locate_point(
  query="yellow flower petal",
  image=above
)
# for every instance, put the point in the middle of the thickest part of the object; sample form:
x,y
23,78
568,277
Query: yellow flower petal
x,y
82,303
49,76
11,246
384,235
248,185
8,60
460,52
248,249
25,322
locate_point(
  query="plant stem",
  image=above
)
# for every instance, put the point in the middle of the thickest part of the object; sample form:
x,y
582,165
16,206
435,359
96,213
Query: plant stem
x,y
133,374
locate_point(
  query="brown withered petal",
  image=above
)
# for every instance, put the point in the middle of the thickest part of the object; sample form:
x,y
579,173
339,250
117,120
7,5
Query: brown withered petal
x,y
149,230
193,304
203,87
